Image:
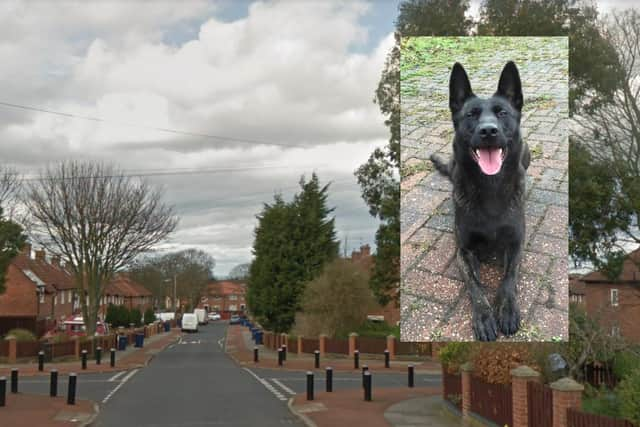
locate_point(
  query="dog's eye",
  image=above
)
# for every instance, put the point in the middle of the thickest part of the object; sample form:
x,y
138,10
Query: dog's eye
x,y
473,112
502,113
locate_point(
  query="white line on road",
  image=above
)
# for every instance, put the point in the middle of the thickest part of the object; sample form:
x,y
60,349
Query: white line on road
x,y
124,380
282,386
267,385
116,376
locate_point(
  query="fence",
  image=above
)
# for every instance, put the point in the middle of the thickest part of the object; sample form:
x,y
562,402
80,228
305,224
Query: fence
x,y
577,418
371,345
309,345
492,401
413,348
600,375
540,402
336,346
452,388
27,348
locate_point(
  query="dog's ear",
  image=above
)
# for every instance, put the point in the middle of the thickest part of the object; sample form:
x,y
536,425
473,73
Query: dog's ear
x,y
509,86
459,88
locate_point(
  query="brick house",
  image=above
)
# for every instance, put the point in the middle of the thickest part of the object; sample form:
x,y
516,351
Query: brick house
x,y
40,293
616,303
226,297
390,313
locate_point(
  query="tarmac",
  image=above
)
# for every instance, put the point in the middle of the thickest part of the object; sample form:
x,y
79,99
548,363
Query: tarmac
x,y
45,411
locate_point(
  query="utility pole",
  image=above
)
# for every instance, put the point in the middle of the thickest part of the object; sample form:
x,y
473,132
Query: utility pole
x,y
174,292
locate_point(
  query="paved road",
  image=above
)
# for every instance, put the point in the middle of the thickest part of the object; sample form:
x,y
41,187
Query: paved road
x,y
194,383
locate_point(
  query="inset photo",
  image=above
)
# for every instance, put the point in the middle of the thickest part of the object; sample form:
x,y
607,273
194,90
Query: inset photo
x,y
484,206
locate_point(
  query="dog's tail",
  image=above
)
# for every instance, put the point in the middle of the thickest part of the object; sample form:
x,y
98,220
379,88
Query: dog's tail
x,y
441,166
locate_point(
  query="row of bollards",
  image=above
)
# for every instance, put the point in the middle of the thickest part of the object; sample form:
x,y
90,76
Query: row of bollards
x,y
112,358
53,386
366,381
282,357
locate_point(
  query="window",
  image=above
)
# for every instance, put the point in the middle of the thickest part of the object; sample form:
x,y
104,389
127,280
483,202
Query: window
x,y
55,299
69,296
233,297
233,307
614,297
41,293
615,331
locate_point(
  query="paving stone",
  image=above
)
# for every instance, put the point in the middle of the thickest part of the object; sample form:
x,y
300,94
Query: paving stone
x,y
438,258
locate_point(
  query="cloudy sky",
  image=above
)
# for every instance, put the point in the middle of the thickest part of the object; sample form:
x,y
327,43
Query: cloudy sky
x,y
298,75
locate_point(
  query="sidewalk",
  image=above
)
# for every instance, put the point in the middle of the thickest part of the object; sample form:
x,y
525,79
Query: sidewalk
x,y
128,359
45,411
400,407
240,347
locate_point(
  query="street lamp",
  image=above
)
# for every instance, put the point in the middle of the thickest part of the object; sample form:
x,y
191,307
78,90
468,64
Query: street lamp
x,y
174,291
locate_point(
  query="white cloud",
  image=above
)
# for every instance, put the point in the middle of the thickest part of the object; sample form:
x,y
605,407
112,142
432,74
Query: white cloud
x,y
284,73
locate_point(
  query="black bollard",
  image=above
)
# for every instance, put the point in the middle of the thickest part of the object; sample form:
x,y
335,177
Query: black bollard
x,y
386,359
365,368
280,357
316,355
53,385
71,392
255,354
14,380
113,358
329,380
356,359
284,353
84,359
3,391
367,386
41,361
410,375
98,355
309,385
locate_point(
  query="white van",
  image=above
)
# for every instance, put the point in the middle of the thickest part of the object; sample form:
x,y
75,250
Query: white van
x,y
201,314
189,322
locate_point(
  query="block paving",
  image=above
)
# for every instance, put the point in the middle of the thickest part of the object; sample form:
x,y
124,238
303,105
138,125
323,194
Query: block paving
x,y
434,304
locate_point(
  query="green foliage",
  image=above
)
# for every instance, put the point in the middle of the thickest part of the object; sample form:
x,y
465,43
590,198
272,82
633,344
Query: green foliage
x,y
454,354
602,402
293,242
625,362
377,330
433,18
524,17
135,316
628,392
22,335
336,302
12,239
149,316
597,211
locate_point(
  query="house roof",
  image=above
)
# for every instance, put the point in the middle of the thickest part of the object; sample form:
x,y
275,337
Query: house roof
x,y
630,271
40,271
123,285
226,287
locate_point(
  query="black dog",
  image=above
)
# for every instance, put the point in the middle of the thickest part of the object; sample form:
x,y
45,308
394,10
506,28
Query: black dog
x,y
488,170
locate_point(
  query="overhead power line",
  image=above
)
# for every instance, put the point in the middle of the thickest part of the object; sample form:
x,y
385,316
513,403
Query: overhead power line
x,y
221,138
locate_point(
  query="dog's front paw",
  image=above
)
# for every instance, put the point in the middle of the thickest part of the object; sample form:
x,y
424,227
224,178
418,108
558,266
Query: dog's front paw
x,y
484,324
508,313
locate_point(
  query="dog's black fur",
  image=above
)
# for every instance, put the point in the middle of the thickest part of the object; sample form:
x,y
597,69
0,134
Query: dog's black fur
x,y
489,209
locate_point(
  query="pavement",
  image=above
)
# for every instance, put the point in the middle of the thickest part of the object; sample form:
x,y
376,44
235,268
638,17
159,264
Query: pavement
x,y
434,304
127,359
240,347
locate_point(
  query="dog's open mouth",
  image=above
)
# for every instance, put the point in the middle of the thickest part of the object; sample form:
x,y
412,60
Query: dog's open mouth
x,y
489,159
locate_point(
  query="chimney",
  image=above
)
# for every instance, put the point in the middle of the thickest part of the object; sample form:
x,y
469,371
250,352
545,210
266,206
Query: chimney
x,y
26,249
55,260
365,250
40,254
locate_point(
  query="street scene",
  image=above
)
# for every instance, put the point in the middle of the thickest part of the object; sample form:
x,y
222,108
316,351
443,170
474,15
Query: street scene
x,y
200,216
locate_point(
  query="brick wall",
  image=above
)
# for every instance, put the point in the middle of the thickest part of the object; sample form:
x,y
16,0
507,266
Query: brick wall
x,y
598,303
20,297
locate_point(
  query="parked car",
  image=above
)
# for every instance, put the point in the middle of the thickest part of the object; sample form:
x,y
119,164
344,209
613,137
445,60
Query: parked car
x,y
201,314
235,319
214,316
168,315
189,322
74,326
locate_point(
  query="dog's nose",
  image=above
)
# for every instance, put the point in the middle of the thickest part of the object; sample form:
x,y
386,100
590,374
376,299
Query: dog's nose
x,y
488,130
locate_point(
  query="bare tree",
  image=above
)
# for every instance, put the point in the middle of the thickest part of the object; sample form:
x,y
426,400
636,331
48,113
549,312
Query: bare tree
x,y
98,220
240,272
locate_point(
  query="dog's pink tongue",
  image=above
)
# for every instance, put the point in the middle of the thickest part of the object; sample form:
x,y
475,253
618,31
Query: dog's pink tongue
x,y
490,160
